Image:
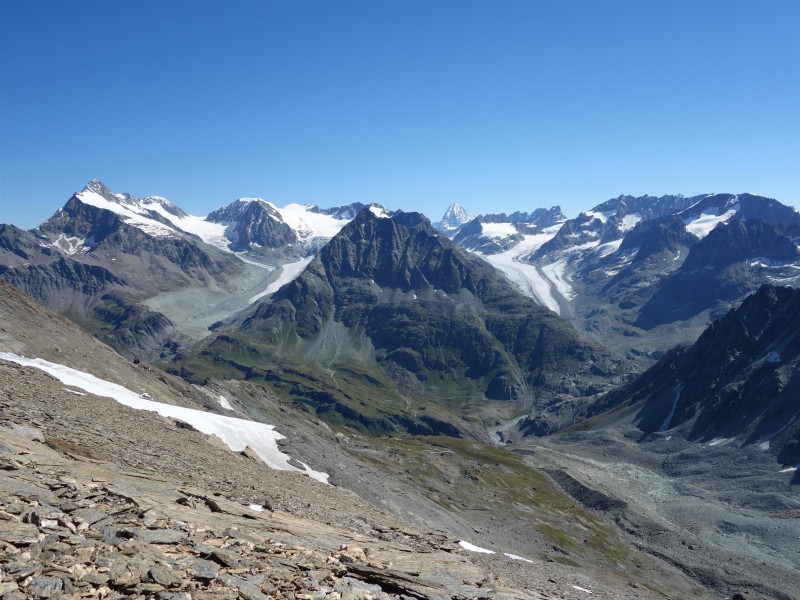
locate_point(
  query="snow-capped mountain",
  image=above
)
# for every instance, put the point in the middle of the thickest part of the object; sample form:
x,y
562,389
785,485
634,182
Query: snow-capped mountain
x,y
619,271
616,270
611,220
122,266
496,233
257,226
454,217
116,264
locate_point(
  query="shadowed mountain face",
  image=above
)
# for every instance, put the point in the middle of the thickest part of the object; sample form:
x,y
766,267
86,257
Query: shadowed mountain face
x,y
722,267
740,379
393,304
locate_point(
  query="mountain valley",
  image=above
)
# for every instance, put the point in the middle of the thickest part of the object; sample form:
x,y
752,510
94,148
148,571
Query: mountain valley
x,y
607,403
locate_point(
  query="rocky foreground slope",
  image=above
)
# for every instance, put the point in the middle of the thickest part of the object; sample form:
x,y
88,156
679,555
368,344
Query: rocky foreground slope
x,y
101,500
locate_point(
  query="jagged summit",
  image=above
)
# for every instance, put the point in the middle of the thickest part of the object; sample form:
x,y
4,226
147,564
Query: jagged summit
x,y
96,186
454,217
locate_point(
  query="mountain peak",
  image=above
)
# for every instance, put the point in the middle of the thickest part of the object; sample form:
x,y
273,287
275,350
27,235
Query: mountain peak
x,y
454,217
96,186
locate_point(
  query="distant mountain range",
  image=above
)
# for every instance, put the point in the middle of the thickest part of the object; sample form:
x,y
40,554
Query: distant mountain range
x,y
358,294
645,354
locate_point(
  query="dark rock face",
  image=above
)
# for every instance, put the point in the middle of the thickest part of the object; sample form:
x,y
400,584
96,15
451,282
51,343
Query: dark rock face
x,y
432,314
740,378
253,222
720,268
18,245
53,282
653,237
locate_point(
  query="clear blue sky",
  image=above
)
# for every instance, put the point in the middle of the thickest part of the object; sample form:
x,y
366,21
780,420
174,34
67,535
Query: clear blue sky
x,y
499,106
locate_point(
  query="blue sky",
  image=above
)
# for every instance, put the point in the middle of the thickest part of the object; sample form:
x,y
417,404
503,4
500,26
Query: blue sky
x,y
499,106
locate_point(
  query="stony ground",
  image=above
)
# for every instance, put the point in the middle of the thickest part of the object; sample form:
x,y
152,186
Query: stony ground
x,y
724,515
99,500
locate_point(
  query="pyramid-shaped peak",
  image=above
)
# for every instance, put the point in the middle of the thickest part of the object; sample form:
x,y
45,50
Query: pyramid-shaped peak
x,y
454,217
95,185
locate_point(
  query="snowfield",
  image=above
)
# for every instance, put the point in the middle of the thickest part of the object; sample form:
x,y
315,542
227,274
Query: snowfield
x,y
307,223
131,213
236,433
702,225
498,230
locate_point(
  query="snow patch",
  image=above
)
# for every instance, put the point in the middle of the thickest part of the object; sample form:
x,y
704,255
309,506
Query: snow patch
x,y
720,441
604,250
128,213
290,272
211,233
71,244
223,402
602,217
773,357
515,557
702,225
473,548
580,589
498,230
256,507
629,222
379,212
308,224
668,421
236,433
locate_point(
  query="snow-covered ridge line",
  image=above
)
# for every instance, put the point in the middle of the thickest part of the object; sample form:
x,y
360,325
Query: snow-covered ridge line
x,y
236,433
304,219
